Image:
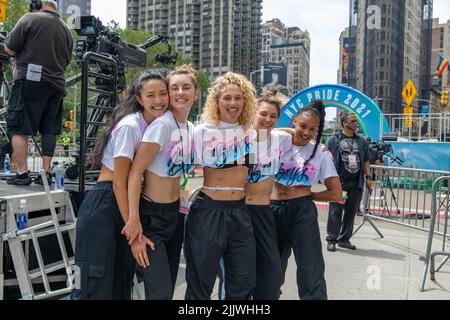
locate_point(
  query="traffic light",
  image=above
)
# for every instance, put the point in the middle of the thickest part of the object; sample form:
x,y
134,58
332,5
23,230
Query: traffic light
x,y
71,114
444,98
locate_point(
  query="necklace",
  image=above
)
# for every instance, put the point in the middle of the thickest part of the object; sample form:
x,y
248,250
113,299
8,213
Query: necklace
x,y
183,169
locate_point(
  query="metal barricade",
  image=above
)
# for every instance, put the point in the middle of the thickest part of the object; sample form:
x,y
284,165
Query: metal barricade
x,y
402,196
413,198
440,208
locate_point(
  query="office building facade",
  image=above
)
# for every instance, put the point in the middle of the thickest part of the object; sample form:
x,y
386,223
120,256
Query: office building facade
x,y
391,48
219,35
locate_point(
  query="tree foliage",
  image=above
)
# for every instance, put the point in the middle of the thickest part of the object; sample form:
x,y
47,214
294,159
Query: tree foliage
x,y
14,10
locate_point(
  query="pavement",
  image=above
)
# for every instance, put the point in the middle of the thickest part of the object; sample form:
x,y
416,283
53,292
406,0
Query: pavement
x,y
380,269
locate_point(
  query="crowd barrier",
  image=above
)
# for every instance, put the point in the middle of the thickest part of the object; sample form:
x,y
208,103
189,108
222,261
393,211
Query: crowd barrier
x,y
439,207
413,198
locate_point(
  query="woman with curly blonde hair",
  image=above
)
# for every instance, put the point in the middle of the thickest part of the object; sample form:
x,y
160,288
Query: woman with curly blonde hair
x,y
211,111
219,224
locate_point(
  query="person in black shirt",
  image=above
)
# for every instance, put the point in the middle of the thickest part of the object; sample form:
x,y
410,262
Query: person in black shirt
x,y
352,160
36,99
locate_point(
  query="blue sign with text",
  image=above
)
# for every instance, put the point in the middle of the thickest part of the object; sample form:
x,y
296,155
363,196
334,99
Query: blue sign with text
x,y
370,118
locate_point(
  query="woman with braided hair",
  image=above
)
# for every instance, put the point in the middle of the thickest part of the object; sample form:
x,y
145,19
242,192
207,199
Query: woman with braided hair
x,y
307,163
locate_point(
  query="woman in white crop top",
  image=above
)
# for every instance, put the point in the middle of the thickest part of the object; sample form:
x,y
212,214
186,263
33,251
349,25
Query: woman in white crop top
x,y
219,224
102,253
164,157
268,149
304,165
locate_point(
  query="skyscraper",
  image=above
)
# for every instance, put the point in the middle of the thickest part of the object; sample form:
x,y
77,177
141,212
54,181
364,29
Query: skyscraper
x,y
273,33
391,36
291,46
347,57
219,35
440,46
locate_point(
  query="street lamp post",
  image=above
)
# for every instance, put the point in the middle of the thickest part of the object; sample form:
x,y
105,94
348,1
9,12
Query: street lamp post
x,y
256,71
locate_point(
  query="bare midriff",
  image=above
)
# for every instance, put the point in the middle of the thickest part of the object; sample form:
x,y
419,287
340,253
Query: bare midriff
x,y
282,192
225,178
259,193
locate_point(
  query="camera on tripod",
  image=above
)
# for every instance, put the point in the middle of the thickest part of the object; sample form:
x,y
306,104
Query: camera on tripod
x,y
95,37
381,150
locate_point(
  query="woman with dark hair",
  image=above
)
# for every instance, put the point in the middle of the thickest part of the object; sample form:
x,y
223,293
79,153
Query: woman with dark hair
x,y
307,163
268,148
219,224
102,254
164,156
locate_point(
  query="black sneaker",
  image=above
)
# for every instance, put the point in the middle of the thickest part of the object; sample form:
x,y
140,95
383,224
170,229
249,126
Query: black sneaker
x,y
331,247
38,179
23,179
347,245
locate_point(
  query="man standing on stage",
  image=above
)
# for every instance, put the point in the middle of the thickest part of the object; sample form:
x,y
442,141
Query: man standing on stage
x,y
42,45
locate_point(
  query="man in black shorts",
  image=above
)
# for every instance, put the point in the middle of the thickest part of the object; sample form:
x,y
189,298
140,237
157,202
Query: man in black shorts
x,y
42,44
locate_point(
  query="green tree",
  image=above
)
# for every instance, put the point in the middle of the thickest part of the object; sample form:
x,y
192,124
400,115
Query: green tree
x,y
14,10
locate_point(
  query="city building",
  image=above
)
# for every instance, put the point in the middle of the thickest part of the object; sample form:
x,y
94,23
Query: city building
x,y
392,38
219,35
440,46
273,33
291,47
347,57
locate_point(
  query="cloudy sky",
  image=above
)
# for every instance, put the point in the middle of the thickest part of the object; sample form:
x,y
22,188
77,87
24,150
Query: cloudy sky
x,y
324,19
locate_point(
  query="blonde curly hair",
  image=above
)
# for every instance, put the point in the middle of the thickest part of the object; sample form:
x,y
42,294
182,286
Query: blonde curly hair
x,y
211,111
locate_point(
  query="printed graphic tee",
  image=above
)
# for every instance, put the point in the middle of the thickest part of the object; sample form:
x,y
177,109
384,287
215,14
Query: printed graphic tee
x,y
176,154
350,159
267,155
318,169
218,146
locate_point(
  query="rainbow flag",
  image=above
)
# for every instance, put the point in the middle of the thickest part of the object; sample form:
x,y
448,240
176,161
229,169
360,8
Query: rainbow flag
x,y
443,63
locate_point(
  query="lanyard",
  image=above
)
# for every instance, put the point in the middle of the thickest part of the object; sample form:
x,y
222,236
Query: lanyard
x,y
348,144
185,177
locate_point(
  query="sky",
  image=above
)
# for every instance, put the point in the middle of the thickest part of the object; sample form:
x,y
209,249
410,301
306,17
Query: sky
x,y
324,19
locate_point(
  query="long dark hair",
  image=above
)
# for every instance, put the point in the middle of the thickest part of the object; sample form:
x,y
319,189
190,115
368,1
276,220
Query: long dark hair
x,y
126,107
317,109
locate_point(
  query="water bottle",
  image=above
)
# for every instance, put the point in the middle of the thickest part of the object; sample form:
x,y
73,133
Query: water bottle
x,y
59,177
7,164
22,215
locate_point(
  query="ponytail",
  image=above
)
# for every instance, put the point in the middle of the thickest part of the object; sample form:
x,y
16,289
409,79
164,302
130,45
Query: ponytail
x,y
317,109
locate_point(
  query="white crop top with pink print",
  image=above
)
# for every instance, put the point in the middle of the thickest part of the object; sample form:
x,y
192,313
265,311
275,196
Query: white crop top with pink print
x,y
267,155
176,154
318,169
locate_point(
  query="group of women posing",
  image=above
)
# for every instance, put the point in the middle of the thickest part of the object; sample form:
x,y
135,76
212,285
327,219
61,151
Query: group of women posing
x,y
255,206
